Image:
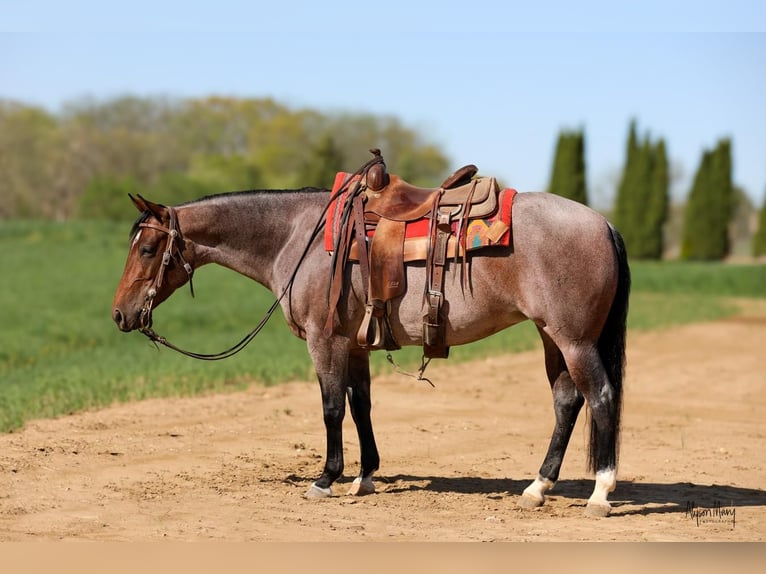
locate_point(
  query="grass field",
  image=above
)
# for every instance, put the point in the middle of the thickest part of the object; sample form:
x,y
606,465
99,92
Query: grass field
x,y
60,351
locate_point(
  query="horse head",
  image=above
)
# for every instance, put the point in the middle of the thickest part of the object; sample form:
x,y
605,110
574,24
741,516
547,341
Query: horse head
x,y
156,266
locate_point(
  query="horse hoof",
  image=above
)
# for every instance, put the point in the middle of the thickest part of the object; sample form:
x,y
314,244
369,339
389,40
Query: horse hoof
x,y
316,492
361,487
597,510
528,502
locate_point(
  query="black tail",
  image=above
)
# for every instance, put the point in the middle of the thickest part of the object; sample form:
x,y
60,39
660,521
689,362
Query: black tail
x,y
611,344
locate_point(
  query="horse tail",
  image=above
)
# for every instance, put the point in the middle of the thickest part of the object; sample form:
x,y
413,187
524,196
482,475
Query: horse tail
x,y
611,345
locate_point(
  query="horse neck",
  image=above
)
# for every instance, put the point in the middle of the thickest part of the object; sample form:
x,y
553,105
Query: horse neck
x,y
247,232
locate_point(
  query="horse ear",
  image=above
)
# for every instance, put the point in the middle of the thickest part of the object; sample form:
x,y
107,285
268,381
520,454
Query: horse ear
x,y
143,204
139,203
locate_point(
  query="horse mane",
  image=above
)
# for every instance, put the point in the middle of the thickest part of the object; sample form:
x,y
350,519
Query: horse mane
x,y
253,192
215,196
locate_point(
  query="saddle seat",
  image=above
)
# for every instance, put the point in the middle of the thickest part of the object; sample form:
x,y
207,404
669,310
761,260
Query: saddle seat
x,y
404,202
390,197
389,205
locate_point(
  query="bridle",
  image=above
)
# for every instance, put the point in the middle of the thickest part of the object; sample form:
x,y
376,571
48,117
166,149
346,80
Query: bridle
x,y
174,251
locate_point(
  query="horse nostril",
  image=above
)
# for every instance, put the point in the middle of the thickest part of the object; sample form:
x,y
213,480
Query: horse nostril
x,y
117,316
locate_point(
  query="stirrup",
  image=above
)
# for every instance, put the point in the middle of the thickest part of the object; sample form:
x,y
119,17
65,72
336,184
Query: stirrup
x,y
370,334
375,331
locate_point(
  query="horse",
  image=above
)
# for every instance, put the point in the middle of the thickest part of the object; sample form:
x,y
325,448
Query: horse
x,y
565,269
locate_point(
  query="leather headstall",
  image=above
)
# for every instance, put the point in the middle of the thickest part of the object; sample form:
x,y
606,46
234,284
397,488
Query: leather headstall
x,y
173,251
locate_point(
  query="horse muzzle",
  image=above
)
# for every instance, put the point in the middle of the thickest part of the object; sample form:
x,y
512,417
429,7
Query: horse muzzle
x,y
127,322
121,319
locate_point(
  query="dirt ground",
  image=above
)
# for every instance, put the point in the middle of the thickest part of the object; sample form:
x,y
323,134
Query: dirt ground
x,y
455,458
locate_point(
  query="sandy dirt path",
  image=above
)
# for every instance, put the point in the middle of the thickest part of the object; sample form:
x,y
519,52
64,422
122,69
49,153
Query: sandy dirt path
x,y
455,458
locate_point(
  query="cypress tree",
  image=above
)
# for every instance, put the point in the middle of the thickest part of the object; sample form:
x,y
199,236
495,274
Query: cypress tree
x,y
710,207
568,178
696,215
657,202
759,239
723,195
641,205
625,207
640,188
579,190
557,174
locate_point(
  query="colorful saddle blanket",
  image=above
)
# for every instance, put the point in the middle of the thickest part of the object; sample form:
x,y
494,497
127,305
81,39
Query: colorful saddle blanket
x,y
489,231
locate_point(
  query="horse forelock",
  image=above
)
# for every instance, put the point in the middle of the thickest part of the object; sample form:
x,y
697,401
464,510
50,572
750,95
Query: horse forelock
x,y
137,225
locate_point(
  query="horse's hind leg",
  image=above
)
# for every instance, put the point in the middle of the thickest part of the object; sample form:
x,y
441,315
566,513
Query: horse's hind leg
x,y
588,373
567,402
359,399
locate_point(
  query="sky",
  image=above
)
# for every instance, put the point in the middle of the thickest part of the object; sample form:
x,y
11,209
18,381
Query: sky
x,y
490,83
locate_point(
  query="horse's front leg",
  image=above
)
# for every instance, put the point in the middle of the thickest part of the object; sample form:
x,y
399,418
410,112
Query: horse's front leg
x,y
361,404
330,357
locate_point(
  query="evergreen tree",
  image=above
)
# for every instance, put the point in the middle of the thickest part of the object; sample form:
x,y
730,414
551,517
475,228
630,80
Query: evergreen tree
x,y
709,208
641,205
626,208
640,190
698,215
759,240
569,178
654,200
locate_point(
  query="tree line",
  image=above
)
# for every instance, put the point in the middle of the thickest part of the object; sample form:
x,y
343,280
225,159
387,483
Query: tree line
x,y
83,160
642,205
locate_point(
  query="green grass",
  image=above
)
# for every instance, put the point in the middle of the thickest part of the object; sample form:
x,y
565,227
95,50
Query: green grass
x,y
60,351
714,279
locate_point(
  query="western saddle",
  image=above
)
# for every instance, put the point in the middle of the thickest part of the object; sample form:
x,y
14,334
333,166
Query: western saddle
x,y
373,203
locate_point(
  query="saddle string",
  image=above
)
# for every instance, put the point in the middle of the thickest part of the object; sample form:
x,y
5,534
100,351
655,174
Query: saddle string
x,y
424,361
462,237
173,232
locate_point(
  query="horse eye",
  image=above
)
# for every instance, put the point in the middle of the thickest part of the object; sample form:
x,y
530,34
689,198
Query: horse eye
x,y
148,250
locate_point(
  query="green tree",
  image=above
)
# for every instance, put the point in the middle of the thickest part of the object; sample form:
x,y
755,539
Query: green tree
x,y
404,150
568,178
106,197
710,207
219,173
61,165
642,202
653,214
626,205
325,161
759,239
30,162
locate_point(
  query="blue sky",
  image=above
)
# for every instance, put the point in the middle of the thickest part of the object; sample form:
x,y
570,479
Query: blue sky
x,y
492,83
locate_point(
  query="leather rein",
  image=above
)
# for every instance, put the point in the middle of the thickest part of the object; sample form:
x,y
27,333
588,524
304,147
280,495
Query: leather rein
x,y
173,252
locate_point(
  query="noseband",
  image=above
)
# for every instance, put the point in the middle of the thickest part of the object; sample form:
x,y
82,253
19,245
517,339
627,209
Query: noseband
x,y
173,251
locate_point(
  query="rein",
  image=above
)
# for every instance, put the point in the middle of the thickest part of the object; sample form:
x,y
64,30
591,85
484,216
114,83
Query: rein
x,y
173,252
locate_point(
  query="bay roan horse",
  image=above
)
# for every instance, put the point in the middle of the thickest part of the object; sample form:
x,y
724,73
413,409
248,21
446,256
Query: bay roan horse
x,y
566,270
